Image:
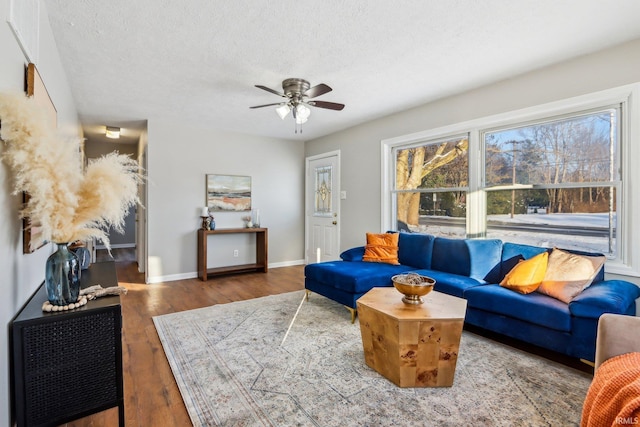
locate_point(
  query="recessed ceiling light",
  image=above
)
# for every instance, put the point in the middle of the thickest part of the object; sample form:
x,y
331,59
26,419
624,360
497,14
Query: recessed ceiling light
x,y
112,132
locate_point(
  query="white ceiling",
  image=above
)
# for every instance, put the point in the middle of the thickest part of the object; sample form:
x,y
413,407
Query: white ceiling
x,y
197,61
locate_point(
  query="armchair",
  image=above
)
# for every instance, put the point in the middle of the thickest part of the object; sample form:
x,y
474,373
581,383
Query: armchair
x,y
617,334
614,395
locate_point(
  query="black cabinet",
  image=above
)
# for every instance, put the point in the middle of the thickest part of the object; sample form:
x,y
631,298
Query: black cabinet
x,y
67,365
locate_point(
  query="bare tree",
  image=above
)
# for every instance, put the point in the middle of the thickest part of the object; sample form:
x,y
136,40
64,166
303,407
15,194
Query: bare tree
x,y
413,165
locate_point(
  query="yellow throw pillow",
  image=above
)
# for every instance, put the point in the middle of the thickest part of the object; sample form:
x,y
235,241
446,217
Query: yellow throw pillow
x,y
382,248
569,274
527,275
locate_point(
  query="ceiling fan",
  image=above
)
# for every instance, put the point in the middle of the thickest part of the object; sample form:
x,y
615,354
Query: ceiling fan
x,y
298,94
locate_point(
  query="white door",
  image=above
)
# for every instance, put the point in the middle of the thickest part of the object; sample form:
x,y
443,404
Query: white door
x,y
322,207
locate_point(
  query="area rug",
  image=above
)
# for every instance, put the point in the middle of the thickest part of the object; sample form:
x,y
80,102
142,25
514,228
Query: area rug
x,y
234,367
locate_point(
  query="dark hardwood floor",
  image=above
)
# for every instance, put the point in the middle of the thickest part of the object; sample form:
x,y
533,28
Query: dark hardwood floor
x,y
151,394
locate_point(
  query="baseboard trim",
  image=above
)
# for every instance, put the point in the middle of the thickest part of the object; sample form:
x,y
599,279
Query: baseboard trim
x,y
194,274
171,277
287,263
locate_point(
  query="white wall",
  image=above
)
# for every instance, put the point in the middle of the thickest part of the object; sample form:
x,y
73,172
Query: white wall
x,y
361,211
179,157
21,274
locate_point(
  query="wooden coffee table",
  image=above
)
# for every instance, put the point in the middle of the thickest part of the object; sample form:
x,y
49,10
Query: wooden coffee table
x,y
411,345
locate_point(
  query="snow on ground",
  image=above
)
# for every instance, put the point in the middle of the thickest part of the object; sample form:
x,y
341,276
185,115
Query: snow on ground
x,y
540,238
573,220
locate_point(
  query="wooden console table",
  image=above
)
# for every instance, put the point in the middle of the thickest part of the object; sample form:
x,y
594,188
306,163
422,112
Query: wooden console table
x,y
262,242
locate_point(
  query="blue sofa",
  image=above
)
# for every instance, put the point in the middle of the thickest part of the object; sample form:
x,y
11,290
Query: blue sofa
x,y
472,269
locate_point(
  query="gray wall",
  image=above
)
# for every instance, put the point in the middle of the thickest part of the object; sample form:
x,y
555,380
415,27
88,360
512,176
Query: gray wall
x,y
361,210
21,274
179,157
93,150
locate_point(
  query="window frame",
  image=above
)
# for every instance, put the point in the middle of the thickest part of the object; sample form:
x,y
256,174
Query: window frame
x,y
394,154
615,184
627,261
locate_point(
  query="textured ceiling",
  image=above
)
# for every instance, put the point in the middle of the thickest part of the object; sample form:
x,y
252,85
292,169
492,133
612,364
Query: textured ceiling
x,y
197,61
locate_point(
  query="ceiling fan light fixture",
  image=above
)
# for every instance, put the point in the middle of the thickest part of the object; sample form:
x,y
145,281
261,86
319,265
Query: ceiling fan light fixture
x,y
302,112
297,94
112,132
283,111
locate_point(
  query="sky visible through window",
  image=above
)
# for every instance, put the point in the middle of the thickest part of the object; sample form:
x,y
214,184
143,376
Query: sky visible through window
x,y
566,168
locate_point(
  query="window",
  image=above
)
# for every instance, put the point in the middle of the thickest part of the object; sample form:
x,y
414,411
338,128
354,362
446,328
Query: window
x,y
322,205
431,185
555,182
558,174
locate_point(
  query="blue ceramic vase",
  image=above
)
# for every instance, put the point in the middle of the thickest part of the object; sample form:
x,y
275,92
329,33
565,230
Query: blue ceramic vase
x,y
62,276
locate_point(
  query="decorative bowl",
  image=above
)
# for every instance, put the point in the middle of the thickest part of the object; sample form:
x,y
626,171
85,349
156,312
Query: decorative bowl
x,y
413,286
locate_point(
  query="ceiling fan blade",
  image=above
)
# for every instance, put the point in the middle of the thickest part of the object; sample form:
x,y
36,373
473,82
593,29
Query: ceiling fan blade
x,y
267,105
328,105
268,89
318,90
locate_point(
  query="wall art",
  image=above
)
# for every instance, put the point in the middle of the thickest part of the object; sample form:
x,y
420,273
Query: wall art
x,y
228,192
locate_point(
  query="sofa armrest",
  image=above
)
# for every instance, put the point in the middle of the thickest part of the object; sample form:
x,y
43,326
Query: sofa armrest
x,y
353,254
617,334
607,296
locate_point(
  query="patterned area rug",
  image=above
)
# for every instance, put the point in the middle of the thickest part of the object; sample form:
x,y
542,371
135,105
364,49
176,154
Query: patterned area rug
x,y
233,369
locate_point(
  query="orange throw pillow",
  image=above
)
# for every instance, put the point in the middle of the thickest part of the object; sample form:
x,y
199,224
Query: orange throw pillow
x,y
527,275
382,248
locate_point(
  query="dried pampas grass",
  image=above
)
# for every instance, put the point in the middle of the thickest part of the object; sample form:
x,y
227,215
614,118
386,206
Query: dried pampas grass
x,y
65,203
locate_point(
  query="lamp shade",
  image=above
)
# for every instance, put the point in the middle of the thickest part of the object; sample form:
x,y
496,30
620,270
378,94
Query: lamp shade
x,y
283,111
302,113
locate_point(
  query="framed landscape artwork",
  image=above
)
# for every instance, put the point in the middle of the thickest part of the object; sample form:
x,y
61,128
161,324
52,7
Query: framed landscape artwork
x,y
35,88
228,192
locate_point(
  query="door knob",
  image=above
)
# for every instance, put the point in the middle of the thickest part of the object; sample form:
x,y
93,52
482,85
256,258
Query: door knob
x,y
335,222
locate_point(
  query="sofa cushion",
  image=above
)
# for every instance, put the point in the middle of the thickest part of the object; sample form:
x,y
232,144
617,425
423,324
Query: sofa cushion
x,y
485,256
355,276
600,275
415,249
475,258
514,252
569,274
527,275
448,283
451,256
381,248
611,296
534,307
